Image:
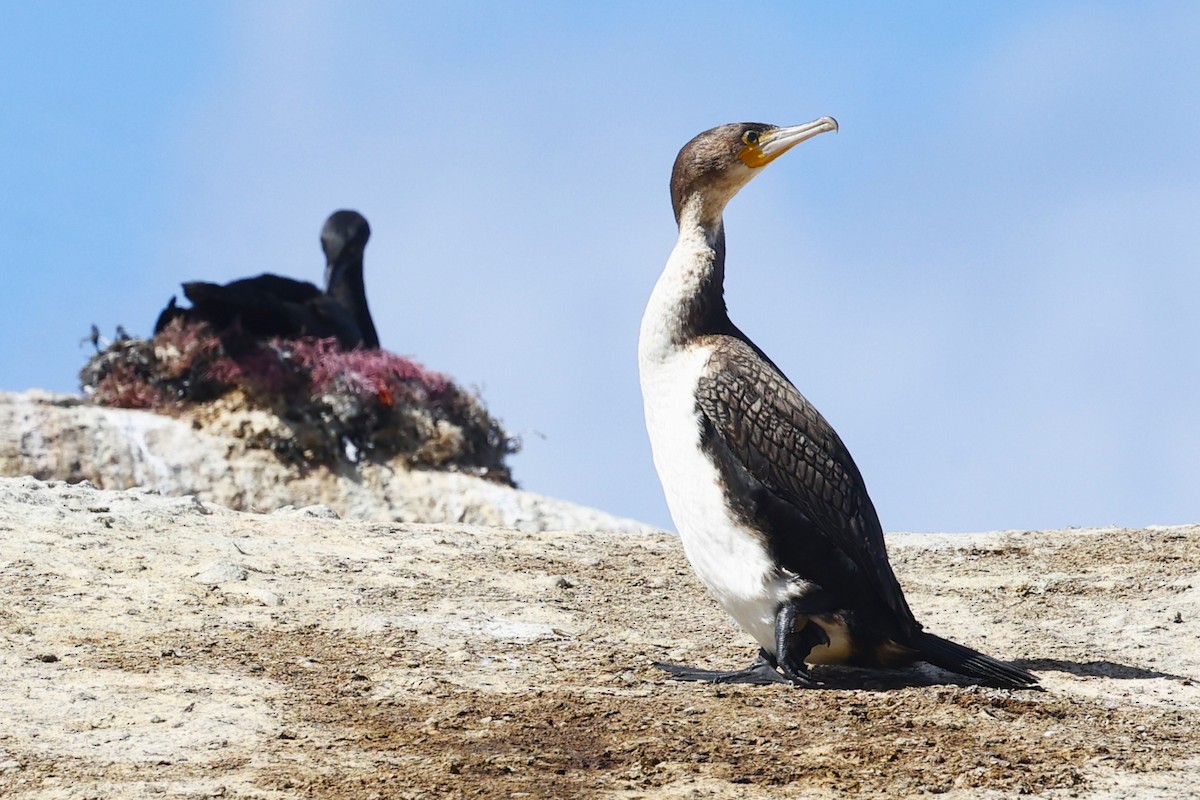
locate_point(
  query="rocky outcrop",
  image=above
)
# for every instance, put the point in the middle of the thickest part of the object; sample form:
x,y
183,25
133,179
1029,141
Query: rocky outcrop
x,y
321,405
214,453
160,647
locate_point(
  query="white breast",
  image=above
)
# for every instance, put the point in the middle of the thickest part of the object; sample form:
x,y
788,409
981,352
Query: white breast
x,y
727,555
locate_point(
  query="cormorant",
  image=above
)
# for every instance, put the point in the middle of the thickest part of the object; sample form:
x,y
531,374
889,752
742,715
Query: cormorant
x,y
271,305
773,513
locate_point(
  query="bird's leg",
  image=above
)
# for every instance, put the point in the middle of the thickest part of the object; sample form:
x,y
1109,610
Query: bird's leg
x,y
760,672
792,647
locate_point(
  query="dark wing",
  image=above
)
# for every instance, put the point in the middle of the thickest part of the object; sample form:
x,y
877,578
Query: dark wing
x,y
252,293
273,288
785,443
271,305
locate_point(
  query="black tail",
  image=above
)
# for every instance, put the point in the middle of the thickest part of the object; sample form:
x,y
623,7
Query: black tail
x,y
965,661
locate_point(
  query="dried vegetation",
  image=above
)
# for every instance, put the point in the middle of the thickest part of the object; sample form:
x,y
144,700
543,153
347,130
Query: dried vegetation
x,y
335,406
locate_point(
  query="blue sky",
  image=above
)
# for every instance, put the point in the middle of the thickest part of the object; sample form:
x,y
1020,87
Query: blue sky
x,y
987,281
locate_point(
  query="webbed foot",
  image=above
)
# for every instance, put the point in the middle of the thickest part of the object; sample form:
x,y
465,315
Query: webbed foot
x,y
761,672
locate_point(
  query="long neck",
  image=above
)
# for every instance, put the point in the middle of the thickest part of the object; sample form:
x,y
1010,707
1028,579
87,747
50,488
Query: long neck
x,y
689,299
344,283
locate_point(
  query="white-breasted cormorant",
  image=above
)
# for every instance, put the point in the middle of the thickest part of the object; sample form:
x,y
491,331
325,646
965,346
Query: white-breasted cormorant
x,y
772,511
272,305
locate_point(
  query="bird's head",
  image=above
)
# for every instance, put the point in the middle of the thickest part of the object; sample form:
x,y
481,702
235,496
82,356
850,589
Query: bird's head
x,y
345,233
712,167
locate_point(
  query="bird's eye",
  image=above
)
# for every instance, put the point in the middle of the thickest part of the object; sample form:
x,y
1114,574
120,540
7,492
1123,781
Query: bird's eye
x,y
750,137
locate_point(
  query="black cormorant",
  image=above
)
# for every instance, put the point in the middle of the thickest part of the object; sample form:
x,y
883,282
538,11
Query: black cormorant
x,y
272,305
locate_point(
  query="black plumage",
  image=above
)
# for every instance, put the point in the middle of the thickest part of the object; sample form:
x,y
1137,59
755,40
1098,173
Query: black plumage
x,y
273,305
797,482
788,448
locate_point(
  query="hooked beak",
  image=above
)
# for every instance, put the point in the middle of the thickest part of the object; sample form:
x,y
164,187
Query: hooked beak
x,y
775,143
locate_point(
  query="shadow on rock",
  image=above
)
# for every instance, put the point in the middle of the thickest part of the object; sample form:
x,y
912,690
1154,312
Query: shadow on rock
x,y
1095,669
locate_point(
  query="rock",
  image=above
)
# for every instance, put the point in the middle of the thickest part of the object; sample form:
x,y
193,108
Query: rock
x,y
58,437
220,572
400,654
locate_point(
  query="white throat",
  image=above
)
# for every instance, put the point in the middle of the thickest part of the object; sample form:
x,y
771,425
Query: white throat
x,y
692,260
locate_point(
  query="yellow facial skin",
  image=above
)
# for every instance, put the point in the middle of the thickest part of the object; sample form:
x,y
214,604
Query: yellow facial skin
x,y
761,148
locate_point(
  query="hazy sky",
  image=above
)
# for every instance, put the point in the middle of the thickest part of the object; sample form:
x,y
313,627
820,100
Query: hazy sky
x,y
987,281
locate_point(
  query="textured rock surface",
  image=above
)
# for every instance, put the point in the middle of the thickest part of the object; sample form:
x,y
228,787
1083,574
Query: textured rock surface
x,y
208,453
163,647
